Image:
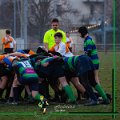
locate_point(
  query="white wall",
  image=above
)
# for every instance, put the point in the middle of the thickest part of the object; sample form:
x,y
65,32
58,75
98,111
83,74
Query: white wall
x,y
20,43
77,42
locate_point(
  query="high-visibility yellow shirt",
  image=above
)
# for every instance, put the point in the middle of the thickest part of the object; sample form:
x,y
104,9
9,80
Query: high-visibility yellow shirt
x,y
49,37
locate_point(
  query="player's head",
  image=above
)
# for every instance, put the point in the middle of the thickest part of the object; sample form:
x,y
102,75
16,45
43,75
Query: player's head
x,y
55,24
8,32
83,31
58,37
67,34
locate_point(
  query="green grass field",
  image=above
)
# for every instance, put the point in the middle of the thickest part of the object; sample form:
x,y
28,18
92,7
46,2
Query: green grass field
x,y
30,112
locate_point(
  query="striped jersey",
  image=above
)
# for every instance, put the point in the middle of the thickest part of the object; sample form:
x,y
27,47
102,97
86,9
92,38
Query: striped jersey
x,y
78,64
89,46
25,69
70,62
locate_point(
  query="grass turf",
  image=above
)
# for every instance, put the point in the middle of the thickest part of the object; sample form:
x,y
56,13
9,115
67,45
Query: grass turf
x,y
25,112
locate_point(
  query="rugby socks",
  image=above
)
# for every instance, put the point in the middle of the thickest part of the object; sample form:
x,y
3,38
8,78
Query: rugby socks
x,y
7,92
26,96
79,95
100,90
1,92
20,90
42,89
69,93
39,97
16,93
89,92
91,95
10,99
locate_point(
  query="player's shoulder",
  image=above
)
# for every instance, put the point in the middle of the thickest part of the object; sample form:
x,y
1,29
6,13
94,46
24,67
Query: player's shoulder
x,y
62,43
59,30
89,40
12,37
49,31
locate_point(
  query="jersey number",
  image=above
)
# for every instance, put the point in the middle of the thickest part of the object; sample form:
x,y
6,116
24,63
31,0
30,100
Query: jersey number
x,y
26,64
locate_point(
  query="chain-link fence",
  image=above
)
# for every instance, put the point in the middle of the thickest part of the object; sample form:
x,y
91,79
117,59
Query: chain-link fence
x,y
100,47
76,48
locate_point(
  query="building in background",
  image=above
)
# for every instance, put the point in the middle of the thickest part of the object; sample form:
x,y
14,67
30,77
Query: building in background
x,y
95,14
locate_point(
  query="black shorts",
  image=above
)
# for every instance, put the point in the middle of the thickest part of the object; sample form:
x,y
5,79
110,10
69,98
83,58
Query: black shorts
x,y
84,64
8,50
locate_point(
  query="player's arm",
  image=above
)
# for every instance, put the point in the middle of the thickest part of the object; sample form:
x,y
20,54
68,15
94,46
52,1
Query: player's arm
x,y
89,48
51,60
19,54
88,53
4,42
62,49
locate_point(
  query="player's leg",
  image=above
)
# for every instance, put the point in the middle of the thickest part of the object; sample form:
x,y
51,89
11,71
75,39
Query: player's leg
x,y
3,84
96,76
78,85
67,88
84,79
98,87
39,97
15,89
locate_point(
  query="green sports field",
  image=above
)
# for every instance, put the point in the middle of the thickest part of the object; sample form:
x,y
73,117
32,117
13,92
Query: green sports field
x,y
62,112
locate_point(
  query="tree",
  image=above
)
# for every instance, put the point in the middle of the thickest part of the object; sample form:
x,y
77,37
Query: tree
x,y
40,12
6,14
66,13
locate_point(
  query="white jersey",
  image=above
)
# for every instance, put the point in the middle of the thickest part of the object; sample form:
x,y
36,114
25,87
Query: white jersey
x,y
62,49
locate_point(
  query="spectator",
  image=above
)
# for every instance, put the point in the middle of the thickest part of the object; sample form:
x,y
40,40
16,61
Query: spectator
x,y
69,41
9,44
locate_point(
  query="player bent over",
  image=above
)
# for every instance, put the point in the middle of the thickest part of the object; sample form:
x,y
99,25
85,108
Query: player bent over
x,y
26,75
52,68
83,66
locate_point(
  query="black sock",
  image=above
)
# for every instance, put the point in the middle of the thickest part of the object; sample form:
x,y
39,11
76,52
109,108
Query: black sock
x,y
26,95
89,92
1,92
63,96
10,99
46,88
57,94
42,89
20,89
7,92
79,95
16,94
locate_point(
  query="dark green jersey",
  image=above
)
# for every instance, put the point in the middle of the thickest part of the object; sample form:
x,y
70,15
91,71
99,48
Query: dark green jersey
x,y
91,50
70,62
78,64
